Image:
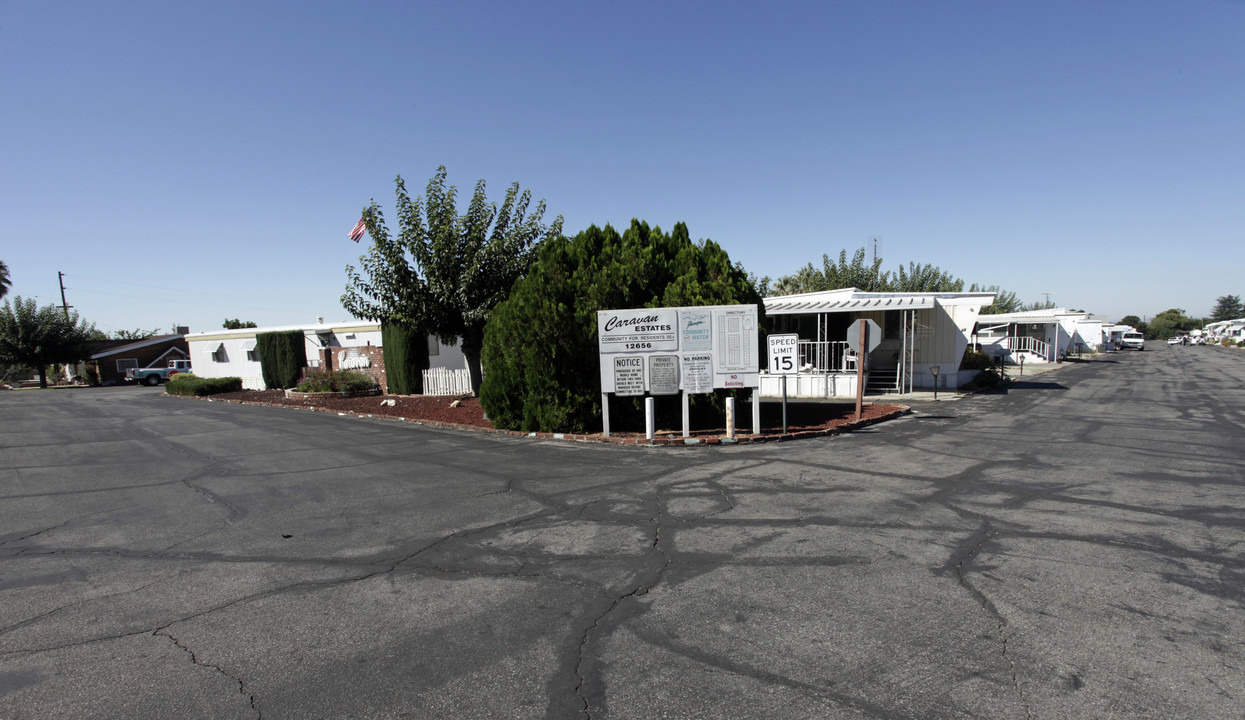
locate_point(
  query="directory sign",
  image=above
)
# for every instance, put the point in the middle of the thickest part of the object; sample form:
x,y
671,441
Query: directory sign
x,y
688,349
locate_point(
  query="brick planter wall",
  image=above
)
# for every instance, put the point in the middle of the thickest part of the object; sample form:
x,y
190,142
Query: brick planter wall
x,y
332,358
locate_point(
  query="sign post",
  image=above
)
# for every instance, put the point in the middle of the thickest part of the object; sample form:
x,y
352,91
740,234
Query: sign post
x,y
784,360
863,336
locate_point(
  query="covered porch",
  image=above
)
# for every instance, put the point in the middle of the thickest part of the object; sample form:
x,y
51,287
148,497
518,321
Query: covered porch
x,y
919,331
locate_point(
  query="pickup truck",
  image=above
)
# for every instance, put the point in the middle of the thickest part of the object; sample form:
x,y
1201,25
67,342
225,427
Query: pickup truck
x,y
155,376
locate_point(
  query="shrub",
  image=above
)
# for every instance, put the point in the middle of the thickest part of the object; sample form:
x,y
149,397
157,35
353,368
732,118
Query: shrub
x,y
975,360
540,355
282,357
406,359
188,384
336,381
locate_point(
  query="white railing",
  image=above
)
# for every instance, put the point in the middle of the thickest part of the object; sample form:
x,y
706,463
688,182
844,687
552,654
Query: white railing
x,y
444,381
1019,344
826,356
1029,345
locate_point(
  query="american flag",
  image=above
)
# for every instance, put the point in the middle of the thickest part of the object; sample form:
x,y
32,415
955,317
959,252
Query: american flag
x,y
359,228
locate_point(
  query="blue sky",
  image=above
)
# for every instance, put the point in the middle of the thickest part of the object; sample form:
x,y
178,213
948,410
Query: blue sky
x,y
188,162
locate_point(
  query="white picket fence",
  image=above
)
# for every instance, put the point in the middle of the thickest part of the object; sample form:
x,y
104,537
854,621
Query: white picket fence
x,y
444,381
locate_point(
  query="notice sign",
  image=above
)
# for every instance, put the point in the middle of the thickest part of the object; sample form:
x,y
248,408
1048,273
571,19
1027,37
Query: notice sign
x,y
698,374
663,374
638,331
629,376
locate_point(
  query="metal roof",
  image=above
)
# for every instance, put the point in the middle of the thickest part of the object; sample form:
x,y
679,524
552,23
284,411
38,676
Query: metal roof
x,y
853,300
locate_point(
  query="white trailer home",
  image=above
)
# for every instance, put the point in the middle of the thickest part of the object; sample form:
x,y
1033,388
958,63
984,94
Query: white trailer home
x,y
919,331
1040,336
354,344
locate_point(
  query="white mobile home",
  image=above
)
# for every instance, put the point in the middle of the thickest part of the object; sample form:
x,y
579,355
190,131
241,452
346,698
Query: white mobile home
x,y
1038,335
354,344
920,331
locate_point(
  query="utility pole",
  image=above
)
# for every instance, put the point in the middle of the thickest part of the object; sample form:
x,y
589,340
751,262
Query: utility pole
x,y
61,277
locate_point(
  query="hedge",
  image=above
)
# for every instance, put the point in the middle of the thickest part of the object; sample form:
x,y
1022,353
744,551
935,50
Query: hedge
x,y
406,359
187,384
282,357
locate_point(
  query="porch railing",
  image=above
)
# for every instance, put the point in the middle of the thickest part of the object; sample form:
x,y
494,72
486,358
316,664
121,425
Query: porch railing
x,y
1027,344
826,356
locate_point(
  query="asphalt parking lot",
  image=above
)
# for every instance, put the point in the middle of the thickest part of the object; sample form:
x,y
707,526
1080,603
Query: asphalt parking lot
x,y
1072,548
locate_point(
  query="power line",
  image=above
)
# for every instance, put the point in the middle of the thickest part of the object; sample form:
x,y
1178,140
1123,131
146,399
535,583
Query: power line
x,y
180,291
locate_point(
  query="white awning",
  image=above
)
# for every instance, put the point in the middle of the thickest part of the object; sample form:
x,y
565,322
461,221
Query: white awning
x,y
801,304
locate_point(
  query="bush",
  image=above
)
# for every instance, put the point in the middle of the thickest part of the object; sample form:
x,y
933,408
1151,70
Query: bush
x,y
976,360
336,381
406,359
540,355
188,384
282,357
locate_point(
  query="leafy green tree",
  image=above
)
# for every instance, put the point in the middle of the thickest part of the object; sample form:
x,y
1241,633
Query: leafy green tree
x,y
5,282
806,279
36,337
867,276
1005,301
236,324
1169,323
138,334
1227,307
924,278
540,347
1134,322
445,272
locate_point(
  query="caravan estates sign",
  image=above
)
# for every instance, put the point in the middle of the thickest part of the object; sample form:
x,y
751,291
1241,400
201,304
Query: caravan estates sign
x,y
691,349
638,331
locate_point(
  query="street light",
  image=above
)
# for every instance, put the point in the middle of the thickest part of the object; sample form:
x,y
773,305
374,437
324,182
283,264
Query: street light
x,y
933,370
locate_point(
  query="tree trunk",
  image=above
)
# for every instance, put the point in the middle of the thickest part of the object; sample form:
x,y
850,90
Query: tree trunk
x,y
43,376
473,343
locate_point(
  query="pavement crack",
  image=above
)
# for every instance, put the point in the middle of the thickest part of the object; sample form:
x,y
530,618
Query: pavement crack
x,y
972,548
164,632
603,624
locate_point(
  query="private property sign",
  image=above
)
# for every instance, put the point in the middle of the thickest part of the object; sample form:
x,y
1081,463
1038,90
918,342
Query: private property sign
x,y
687,349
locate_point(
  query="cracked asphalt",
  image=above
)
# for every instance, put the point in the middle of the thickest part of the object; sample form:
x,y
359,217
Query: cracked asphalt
x,y
1070,549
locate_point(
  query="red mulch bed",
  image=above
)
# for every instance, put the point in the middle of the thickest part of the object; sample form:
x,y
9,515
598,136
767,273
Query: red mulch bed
x,y
430,408
802,417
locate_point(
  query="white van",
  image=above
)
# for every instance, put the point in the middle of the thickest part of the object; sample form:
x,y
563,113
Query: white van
x,y
1134,340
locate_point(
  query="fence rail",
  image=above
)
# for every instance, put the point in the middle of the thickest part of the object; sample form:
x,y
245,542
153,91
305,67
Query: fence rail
x,y
1029,344
826,356
444,381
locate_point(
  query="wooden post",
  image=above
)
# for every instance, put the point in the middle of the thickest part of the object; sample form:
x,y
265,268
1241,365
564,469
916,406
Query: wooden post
x,y
860,370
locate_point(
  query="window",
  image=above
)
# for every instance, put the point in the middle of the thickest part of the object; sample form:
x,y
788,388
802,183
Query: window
x,y
124,364
434,347
219,355
252,356
892,325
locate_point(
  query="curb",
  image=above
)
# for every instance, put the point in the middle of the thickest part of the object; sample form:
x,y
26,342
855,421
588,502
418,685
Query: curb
x,y
665,441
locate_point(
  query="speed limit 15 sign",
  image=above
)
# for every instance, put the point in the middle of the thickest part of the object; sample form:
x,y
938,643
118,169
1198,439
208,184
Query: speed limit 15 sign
x,y
784,354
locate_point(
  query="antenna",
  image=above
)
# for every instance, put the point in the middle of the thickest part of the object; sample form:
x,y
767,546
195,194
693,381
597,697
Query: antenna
x,y
875,240
1047,294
